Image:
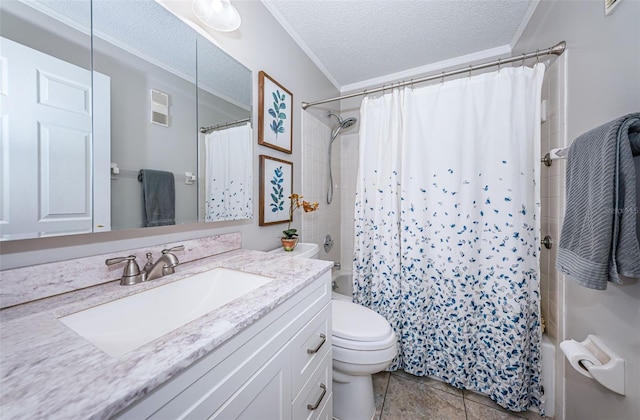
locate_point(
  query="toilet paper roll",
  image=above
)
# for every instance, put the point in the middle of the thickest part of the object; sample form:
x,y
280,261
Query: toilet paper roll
x,y
577,353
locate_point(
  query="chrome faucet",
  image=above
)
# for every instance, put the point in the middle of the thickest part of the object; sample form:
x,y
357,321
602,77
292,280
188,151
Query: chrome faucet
x,y
132,274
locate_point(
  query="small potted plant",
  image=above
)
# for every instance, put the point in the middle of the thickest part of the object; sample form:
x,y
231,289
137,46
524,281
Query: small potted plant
x,y
290,236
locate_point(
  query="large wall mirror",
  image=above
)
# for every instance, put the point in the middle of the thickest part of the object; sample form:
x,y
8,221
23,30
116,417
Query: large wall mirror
x,y
117,115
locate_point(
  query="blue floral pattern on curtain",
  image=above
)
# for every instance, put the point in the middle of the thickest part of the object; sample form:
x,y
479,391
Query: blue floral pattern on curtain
x,y
447,230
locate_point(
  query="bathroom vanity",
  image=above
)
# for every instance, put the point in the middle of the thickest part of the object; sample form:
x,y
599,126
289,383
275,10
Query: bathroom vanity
x,y
266,354
277,368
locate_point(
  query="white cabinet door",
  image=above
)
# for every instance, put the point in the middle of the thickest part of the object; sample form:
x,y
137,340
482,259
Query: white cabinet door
x,y
267,395
46,144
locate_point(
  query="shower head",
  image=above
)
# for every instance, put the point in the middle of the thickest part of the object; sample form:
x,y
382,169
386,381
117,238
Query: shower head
x,y
348,122
341,124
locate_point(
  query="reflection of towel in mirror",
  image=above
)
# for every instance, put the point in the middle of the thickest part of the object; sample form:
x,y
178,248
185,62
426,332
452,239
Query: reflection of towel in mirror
x,y
159,197
599,239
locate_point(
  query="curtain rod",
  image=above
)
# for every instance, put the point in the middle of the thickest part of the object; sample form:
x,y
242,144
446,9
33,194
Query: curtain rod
x,y
205,130
557,49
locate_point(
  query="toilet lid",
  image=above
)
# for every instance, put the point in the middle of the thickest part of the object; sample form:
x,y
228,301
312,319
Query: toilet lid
x,y
355,322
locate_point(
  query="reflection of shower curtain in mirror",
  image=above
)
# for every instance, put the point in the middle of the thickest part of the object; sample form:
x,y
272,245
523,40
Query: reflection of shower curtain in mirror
x,y
229,178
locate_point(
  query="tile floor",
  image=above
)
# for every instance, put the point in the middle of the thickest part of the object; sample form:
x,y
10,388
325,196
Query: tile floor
x,y
399,395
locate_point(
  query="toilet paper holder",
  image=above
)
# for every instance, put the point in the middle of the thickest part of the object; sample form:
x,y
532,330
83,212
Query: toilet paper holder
x,y
594,359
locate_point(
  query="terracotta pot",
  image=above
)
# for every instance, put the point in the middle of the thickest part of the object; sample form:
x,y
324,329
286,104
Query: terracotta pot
x,y
289,244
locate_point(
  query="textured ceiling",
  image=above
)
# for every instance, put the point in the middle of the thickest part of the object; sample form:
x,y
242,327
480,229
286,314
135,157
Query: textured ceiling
x,y
167,42
354,41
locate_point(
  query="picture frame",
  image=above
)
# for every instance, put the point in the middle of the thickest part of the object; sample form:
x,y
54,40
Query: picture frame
x,y
275,114
276,186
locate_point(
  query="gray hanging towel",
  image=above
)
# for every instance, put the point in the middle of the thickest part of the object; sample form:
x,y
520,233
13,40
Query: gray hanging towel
x,y
158,196
599,240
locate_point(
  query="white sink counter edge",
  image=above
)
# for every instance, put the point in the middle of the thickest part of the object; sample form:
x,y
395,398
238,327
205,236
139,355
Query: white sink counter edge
x,y
48,371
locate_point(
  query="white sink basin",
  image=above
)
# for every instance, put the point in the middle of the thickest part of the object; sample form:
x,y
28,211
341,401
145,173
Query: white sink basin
x,y
122,325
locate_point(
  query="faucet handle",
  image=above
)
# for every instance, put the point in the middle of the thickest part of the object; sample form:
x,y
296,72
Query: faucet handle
x,y
172,260
131,274
116,260
175,248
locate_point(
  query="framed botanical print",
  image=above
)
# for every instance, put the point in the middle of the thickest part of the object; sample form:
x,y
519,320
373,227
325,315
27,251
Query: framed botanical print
x,y
275,114
276,185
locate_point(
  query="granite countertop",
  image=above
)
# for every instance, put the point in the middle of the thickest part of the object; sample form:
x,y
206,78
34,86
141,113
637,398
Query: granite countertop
x,y
48,371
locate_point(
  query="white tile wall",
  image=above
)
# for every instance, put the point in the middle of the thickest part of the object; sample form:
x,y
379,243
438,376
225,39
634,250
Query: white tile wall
x,y
315,173
552,191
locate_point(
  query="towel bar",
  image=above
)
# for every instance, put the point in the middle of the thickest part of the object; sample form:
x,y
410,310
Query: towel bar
x,y
188,178
560,153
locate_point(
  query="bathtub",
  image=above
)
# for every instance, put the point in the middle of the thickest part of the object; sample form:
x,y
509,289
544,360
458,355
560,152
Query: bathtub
x,y
343,288
342,283
548,360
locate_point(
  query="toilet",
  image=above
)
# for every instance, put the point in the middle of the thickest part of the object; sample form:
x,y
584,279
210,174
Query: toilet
x,y
363,344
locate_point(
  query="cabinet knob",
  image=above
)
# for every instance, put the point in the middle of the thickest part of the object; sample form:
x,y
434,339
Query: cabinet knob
x,y
323,338
317,404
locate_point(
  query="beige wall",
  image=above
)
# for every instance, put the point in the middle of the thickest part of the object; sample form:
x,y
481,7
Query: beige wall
x,y
259,44
603,82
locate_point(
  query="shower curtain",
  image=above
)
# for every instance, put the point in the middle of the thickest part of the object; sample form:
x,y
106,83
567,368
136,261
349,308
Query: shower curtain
x,y
228,174
447,229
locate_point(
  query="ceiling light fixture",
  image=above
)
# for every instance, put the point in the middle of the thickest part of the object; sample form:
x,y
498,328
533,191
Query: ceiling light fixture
x,y
217,14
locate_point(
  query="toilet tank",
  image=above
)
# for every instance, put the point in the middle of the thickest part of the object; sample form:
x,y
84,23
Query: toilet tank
x,y
303,249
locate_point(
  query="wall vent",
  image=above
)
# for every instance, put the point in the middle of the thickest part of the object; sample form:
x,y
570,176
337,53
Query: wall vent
x,y
159,108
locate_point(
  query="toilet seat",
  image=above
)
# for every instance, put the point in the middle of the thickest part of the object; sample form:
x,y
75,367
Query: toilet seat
x,y
354,322
359,333
390,341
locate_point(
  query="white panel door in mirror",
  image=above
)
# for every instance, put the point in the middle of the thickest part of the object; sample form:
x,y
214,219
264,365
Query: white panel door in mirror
x,y
46,145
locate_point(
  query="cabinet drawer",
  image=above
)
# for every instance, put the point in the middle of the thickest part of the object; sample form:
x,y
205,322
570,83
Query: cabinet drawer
x,y
316,392
309,347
